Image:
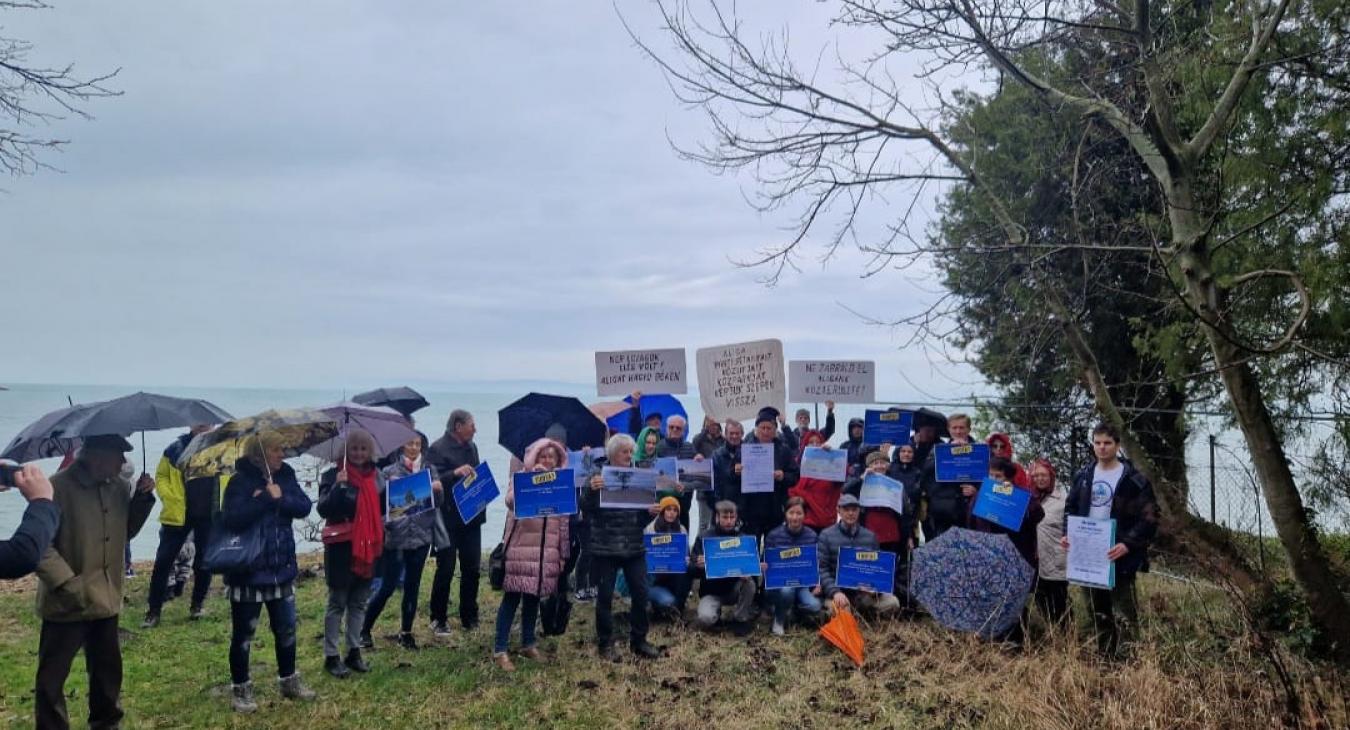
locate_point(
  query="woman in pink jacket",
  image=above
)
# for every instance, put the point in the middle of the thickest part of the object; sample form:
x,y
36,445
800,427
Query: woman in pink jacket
x,y
535,552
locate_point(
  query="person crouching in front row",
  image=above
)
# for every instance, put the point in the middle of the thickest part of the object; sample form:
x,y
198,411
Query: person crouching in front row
x,y
715,593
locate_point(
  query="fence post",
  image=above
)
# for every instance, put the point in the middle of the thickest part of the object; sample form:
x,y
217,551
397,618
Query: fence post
x,y
1212,480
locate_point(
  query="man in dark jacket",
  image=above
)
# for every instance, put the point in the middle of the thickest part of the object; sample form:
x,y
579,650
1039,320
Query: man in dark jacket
x,y
186,509
713,594
707,443
761,512
848,532
19,555
617,545
675,445
455,456
1111,488
948,502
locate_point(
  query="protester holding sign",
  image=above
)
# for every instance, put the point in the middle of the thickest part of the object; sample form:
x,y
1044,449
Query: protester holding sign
x,y
668,592
948,502
675,445
1052,587
455,456
1024,538
536,550
1111,488
1001,447
406,542
793,533
716,593
894,529
849,532
617,545
803,419
763,511
853,445
819,497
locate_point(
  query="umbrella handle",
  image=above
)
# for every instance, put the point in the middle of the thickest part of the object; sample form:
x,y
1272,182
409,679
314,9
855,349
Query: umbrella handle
x,y
143,456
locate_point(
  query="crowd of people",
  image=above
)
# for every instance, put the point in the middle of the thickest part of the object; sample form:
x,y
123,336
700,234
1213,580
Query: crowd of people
x,y
76,530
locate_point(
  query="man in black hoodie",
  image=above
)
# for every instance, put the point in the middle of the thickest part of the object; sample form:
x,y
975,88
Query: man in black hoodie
x,y
455,456
853,445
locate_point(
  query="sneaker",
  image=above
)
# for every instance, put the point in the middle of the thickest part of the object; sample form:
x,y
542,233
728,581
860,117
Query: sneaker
x,y
778,629
355,663
151,620
241,698
407,641
197,612
334,666
503,662
609,652
365,641
440,628
293,689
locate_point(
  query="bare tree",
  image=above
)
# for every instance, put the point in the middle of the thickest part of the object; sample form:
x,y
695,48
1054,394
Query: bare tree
x,y
832,147
36,95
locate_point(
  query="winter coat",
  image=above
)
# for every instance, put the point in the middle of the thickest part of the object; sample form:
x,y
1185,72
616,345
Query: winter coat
x,y
418,531
447,455
827,432
853,447
615,533
197,499
80,574
1049,553
830,540
1135,510
822,500
19,555
781,537
275,566
763,511
726,482
337,504
946,502
890,528
536,549
707,445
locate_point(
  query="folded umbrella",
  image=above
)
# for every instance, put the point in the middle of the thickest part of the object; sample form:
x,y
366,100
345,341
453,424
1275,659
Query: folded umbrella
x,y
216,452
971,581
531,418
390,429
401,398
842,631
665,404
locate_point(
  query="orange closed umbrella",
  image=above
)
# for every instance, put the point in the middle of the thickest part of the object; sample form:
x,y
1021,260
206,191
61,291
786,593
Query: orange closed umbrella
x,y
842,631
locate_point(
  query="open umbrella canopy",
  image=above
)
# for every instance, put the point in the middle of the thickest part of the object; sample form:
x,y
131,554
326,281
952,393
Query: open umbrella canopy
x,y
928,416
530,418
663,403
390,429
215,452
401,398
57,432
606,408
972,581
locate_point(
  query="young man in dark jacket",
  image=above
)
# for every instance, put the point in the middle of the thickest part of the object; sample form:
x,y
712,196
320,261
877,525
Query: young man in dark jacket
x,y
455,456
853,445
713,594
1112,488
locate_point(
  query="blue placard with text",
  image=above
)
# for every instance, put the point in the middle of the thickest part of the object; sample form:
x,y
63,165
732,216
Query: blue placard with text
x,y
544,494
667,552
731,557
1001,503
887,427
866,570
964,463
474,492
791,567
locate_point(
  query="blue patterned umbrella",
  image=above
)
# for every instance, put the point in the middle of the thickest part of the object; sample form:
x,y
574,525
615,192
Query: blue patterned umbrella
x,y
971,581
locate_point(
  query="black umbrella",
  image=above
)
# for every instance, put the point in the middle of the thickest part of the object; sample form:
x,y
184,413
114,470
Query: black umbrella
x,y
401,398
529,419
928,416
42,439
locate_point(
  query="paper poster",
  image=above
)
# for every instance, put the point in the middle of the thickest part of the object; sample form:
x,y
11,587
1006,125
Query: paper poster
x,y
582,463
842,381
866,570
408,496
887,427
627,477
735,381
667,552
1089,541
792,567
697,474
1001,503
968,463
756,468
730,557
667,472
544,494
474,492
879,490
828,464
650,371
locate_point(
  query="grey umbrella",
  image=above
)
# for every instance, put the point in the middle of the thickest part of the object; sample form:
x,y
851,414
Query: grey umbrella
x,y
42,439
401,398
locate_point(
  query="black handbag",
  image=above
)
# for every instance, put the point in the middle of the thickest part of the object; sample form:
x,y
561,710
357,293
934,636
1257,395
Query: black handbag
x,y
497,562
554,613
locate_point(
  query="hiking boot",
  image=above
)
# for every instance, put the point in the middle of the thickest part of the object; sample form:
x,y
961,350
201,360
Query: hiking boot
x,y
151,620
365,641
503,662
646,651
355,663
609,652
532,652
778,628
293,689
241,698
196,612
440,628
406,640
334,666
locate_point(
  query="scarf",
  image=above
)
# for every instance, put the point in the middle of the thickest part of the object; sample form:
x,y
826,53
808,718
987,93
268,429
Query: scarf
x,y
367,526
412,466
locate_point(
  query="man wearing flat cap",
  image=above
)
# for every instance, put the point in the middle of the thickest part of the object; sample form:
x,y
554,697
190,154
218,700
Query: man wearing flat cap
x,y
80,580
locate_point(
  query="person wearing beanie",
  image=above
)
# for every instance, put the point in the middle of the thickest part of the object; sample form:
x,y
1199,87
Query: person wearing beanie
x,y
667,592
761,512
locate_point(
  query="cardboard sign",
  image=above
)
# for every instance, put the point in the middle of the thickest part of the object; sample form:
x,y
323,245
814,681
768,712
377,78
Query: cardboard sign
x,y
650,371
842,381
735,381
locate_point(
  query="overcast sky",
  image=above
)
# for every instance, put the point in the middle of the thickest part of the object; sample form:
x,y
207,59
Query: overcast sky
x,y
340,194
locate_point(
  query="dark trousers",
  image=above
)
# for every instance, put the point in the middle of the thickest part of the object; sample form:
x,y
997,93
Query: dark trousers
x,y
581,557
410,564
1112,630
1052,598
244,617
171,541
57,647
466,544
635,573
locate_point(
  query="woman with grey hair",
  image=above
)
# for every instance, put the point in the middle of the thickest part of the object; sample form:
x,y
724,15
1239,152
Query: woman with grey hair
x,y
617,545
351,499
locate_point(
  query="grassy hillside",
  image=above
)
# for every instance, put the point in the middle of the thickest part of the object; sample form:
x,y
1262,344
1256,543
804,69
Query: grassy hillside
x,y
1196,669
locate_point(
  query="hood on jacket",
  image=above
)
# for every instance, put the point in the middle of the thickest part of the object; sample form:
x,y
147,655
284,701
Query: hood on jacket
x,y
855,422
806,436
533,450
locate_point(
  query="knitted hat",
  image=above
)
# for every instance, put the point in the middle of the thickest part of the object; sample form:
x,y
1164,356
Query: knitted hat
x,y
669,502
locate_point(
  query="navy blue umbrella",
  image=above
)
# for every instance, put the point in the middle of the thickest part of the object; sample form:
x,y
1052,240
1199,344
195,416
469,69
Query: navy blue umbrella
x,y
531,418
665,404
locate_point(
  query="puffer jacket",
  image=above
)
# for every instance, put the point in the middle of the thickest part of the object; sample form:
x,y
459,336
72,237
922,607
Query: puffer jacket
x,y
782,537
337,504
829,542
276,564
418,531
615,533
536,549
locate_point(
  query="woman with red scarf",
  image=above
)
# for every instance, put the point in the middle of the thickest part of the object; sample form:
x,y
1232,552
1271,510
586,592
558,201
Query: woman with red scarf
x,y
351,499
821,496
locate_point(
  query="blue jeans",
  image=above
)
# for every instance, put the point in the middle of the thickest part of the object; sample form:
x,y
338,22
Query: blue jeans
x,y
506,615
783,599
667,590
244,624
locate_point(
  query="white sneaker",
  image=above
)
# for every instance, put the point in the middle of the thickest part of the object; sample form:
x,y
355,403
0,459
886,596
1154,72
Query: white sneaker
x,y
778,629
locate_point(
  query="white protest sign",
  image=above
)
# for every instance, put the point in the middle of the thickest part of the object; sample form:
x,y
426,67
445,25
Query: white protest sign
x,y
650,371
735,381
842,381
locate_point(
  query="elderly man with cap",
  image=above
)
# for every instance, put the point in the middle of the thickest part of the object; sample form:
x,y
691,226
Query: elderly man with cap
x,y
80,580
848,532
